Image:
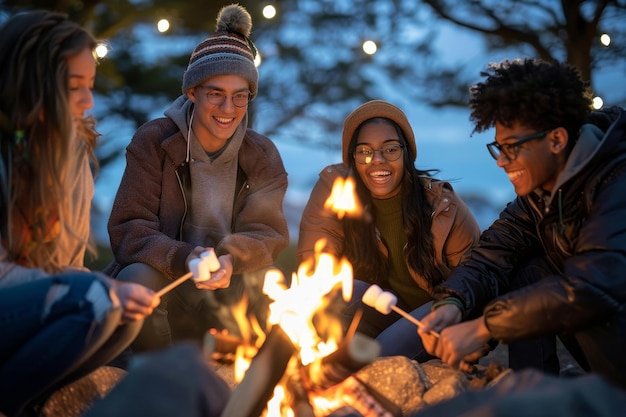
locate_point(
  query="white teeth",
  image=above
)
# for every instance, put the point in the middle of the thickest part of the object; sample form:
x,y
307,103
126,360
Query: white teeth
x,y
514,174
379,173
223,120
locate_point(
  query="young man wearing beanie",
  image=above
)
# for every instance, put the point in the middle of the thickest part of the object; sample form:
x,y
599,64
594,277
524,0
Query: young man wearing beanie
x,y
567,164
415,228
198,178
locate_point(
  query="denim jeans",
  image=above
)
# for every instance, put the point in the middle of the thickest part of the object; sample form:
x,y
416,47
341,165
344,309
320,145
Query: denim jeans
x,y
185,312
396,335
54,331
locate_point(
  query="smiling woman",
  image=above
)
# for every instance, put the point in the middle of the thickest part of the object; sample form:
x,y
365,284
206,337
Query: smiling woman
x,y
58,320
413,232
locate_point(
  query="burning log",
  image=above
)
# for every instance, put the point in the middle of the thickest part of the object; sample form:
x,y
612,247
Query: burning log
x,y
296,395
353,354
267,368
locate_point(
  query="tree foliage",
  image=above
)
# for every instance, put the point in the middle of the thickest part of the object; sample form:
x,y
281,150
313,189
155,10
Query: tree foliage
x,y
314,67
314,70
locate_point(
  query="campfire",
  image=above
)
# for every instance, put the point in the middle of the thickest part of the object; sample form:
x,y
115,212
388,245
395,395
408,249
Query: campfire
x,y
293,370
306,364
305,351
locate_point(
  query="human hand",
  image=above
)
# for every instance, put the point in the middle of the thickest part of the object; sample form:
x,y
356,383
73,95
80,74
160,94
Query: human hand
x,y
434,322
219,278
136,300
463,343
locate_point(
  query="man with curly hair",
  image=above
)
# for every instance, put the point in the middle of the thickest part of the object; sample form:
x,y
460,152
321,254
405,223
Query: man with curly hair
x,y
553,262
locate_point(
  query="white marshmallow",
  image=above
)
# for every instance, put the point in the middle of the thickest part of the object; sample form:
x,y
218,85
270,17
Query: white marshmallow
x,y
385,302
203,266
194,268
211,259
371,295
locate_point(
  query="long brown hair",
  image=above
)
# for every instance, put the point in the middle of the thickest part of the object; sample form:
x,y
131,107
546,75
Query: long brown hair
x,y
38,140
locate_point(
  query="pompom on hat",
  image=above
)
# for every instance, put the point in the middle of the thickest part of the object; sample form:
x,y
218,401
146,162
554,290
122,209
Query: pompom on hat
x,y
229,51
370,110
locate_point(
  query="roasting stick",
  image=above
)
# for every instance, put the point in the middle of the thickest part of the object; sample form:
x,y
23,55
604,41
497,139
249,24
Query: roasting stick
x,y
384,302
412,319
174,284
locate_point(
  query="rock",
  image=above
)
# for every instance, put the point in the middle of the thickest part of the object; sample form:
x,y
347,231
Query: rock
x,y
446,388
76,398
396,379
409,386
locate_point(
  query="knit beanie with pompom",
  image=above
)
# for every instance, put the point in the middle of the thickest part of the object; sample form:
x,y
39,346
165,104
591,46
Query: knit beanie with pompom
x,y
229,51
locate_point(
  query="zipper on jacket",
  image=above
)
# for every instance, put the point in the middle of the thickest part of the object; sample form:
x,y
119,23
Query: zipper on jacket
x,y
244,186
182,191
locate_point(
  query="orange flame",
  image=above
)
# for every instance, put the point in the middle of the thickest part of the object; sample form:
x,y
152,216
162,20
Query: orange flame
x,y
342,199
297,307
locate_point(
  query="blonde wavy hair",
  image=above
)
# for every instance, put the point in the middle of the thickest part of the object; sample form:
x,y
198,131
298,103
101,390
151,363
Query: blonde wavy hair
x,y
38,140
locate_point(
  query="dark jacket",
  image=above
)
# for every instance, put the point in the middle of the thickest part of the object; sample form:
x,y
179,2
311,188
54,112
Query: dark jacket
x,y
151,203
580,230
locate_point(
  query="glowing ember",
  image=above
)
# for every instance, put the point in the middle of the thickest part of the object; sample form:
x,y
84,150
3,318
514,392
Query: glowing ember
x,y
342,199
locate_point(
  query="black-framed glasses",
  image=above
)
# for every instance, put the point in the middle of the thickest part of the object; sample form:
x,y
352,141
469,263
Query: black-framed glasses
x,y
217,97
364,154
510,150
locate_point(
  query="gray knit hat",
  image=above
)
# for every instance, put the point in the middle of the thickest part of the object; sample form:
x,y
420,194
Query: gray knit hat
x,y
370,110
229,51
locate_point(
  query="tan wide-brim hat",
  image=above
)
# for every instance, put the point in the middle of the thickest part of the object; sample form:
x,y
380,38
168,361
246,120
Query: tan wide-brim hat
x,y
370,110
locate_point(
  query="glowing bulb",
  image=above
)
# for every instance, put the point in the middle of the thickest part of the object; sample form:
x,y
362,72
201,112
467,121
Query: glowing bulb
x,y
269,11
101,50
597,103
163,25
605,39
369,47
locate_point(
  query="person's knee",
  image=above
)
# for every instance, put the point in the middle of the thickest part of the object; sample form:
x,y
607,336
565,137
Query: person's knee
x,y
143,274
93,293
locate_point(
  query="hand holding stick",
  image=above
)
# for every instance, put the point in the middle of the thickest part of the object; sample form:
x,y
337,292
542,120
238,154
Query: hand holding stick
x,y
384,302
200,270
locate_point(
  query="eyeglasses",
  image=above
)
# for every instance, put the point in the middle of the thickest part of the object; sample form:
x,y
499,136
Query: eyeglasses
x,y
364,154
217,98
510,150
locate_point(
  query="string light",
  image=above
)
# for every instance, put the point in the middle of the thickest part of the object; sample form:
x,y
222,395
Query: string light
x,y
163,25
101,50
269,11
597,103
370,47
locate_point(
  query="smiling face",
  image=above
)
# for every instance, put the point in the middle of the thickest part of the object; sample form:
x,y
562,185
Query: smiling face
x,y
538,163
382,178
81,77
214,124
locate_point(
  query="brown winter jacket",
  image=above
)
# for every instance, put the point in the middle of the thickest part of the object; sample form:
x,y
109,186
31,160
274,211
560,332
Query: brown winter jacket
x,y
151,203
454,228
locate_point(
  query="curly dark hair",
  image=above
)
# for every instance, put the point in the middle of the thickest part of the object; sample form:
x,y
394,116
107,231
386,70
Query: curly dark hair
x,y
360,233
533,93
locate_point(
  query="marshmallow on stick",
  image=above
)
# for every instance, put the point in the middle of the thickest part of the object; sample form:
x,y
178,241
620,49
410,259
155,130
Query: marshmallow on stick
x,y
199,268
203,266
384,302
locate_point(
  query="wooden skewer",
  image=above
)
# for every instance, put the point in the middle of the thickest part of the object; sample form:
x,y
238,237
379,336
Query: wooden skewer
x,y
174,284
354,324
412,319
